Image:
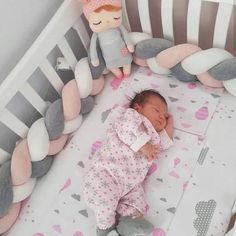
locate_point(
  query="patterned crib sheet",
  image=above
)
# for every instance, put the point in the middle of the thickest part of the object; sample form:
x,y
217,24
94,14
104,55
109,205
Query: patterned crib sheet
x,y
57,206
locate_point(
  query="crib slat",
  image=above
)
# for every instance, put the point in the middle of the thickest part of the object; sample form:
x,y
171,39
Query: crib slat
x,y
144,15
67,52
52,76
4,156
193,22
13,123
66,16
125,16
167,19
34,99
222,24
82,32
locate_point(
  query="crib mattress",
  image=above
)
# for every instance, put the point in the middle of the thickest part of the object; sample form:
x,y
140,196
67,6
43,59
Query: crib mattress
x,y
189,188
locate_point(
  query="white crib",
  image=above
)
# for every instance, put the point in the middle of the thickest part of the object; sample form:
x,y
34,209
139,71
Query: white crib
x,y
179,21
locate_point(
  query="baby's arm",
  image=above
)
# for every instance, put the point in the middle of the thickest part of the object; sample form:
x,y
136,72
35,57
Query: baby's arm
x,y
166,135
129,131
93,50
170,126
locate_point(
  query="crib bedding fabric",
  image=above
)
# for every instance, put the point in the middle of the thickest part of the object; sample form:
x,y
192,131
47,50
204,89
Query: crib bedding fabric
x,y
189,188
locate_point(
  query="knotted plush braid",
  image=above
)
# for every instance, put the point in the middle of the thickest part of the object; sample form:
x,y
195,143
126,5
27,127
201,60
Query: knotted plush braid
x,y
187,62
33,156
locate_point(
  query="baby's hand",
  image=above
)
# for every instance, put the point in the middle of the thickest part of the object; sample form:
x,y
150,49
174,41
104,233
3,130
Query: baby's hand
x,y
150,151
95,63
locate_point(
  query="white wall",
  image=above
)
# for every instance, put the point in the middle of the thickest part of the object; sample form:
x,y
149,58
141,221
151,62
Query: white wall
x,y
21,21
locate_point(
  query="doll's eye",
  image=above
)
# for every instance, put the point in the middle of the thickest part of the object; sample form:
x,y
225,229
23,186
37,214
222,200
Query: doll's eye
x,y
98,23
116,18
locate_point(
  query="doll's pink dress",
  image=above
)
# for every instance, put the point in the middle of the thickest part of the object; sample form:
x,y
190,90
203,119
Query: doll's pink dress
x,y
114,182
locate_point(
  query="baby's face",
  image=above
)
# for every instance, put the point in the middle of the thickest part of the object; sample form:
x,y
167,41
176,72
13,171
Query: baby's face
x,y
104,20
155,110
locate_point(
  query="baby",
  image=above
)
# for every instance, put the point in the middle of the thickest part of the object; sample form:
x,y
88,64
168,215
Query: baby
x,y
114,182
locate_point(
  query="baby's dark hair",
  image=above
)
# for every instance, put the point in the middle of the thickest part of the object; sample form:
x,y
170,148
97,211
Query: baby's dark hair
x,y
142,97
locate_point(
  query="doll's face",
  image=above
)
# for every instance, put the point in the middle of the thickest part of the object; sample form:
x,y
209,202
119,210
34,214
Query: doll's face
x,y
104,20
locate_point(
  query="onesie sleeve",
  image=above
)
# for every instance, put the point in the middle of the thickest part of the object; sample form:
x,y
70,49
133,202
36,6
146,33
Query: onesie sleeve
x,y
165,141
93,47
125,35
131,130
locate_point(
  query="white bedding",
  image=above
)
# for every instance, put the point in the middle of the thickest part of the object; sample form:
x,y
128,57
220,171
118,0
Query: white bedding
x,y
195,172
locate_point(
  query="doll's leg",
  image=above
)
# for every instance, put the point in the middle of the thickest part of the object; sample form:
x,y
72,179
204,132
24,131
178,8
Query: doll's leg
x,y
127,70
101,194
117,72
115,83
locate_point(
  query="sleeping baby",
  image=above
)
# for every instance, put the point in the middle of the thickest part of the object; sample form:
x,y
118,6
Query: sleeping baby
x,y
113,186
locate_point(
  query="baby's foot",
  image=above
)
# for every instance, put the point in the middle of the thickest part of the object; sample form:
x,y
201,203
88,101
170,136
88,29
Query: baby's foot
x,y
134,226
115,83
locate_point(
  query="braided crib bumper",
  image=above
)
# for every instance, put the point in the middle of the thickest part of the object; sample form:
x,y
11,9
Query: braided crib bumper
x,y
213,67
33,156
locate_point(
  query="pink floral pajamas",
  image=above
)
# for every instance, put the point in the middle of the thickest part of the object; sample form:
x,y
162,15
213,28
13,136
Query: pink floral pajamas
x,y
114,182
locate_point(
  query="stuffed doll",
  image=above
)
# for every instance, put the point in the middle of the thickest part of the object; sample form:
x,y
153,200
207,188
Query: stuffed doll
x,y
105,18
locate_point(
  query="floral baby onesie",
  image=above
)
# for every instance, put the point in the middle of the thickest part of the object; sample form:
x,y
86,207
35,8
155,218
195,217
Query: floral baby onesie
x,y
114,182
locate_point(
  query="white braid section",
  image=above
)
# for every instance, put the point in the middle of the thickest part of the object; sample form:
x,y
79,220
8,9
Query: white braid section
x,y
136,37
230,86
21,192
83,77
152,63
72,125
202,61
38,140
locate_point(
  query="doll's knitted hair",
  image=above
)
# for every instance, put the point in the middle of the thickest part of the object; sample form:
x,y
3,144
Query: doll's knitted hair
x,y
142,97
91,5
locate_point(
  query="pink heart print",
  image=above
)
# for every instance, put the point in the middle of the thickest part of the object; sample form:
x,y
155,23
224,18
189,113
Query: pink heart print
x,y
57,228
152,169
77,233
158,232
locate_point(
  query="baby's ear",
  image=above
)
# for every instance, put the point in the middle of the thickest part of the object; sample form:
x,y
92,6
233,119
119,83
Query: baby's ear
x,y
137,107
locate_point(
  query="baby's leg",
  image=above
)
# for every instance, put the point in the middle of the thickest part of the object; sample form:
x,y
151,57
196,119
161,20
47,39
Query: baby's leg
x,y
127,70
117,72
132,208
101,194
133,203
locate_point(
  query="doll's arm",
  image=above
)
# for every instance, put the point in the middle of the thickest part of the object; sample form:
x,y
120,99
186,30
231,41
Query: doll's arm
x,y
93,50
127,39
